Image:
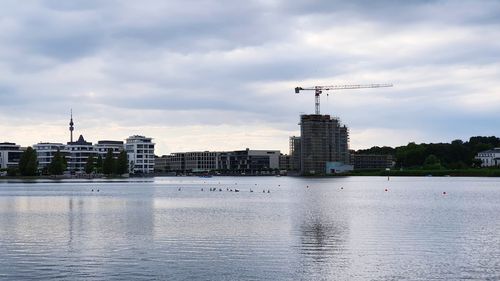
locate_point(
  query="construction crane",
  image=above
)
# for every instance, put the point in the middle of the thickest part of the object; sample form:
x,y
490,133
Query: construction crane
x,y
318,90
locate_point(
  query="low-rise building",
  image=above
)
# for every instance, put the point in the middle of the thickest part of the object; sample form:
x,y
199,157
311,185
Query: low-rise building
x,y
161,164
295,153
285,162
232,162
10,154
372,161
78,153
489,158
102,147
45,151
249,161
205,161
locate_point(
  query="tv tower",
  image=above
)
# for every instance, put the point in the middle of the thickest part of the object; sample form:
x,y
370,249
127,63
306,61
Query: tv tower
x,y
71,128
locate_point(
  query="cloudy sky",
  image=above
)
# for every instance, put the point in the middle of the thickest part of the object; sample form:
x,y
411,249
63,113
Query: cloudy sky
x,y
219,75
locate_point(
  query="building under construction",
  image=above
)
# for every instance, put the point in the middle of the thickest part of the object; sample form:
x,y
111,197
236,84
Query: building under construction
x,y
322,139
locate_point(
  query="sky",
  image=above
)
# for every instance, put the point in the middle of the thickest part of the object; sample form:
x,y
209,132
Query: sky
x,y
220,75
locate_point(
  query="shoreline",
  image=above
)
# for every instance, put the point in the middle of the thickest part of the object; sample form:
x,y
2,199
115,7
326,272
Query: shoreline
x,y
404,173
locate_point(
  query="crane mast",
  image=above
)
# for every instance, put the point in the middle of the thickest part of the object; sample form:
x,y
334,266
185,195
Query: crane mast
x,y
318,90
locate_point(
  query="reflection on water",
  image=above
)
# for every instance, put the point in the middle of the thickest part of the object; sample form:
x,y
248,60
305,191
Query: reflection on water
x,y
323,230
143,230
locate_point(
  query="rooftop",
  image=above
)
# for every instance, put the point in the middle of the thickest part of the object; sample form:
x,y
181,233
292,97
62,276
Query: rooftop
x,y
494,150
80,141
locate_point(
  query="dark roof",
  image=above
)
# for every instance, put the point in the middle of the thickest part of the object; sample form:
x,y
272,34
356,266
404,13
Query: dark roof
x,y
80,141
109,142
494,150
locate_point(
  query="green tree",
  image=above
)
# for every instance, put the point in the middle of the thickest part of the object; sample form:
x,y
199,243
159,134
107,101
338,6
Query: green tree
x,y
98,164
108,163
122,163
57,166
432,163
12,172
28,164
477,163
89,166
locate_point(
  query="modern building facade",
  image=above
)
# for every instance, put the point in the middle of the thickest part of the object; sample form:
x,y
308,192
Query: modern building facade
x,y
372,161
294,152
323,139
10,154
77,154
249,161
489,158
45,151
177,162
201,161
227,162
140,153
284,162
102,147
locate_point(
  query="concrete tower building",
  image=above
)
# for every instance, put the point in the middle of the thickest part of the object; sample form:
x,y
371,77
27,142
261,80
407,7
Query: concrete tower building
x,y
323,139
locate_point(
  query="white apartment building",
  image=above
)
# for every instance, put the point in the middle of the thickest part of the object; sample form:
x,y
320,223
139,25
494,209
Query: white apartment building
x,y
45,151
141,154
10,154
102,147
489,158
78,152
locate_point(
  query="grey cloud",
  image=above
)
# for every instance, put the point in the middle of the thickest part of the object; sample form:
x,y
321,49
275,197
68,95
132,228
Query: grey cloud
x,y
196,62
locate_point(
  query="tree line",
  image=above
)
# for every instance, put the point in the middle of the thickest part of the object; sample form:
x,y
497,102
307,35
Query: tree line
x,y
455,155
28,164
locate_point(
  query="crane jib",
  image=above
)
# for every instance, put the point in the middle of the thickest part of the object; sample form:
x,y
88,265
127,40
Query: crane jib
x,y
319,90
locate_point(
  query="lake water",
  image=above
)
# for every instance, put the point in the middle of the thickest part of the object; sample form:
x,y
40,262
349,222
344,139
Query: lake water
x,y
337,229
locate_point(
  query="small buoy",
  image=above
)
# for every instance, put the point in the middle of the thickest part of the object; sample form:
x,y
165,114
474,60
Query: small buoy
x,y
179,189
341,188
263,191
251,190
307,186
444,192
98,190
220,189
92,190
386,189
202,189
268,191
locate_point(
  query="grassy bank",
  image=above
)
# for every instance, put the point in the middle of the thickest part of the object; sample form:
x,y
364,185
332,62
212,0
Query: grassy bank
x,y
494,172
